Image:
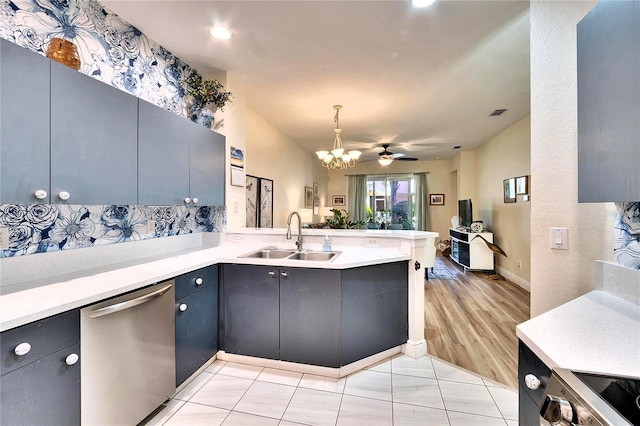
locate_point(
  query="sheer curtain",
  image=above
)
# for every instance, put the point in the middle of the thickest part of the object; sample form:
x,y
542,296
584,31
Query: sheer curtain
x,y
357,207
422,202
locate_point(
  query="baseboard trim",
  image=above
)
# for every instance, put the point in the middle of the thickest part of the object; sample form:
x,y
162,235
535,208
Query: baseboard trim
x,y
514,278
415,349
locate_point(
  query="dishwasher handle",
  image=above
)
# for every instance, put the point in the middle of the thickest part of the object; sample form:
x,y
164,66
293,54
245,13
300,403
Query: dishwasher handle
x,y
111,309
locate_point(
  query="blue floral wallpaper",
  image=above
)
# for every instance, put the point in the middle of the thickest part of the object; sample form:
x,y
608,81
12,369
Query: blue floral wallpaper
x,y
111,50
116,53
39,228
626,247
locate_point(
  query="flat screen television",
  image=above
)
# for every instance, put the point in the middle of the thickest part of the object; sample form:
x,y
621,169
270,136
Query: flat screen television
x,y
465,212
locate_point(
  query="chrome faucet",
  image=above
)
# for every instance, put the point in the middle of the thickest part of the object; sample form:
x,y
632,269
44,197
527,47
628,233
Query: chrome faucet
x,y
299,241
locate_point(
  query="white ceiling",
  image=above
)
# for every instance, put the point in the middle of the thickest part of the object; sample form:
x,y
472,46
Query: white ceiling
x,y
423,80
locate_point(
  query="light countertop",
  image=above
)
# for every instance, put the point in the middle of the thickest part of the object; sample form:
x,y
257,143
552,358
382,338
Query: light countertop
x,y
596,332
30,302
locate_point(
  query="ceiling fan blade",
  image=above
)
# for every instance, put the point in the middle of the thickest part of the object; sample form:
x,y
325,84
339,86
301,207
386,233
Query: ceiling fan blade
x,y
398,155
407,159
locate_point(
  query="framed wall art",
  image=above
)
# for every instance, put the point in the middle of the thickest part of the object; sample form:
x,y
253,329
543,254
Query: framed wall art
x,y
265,215
509,188
338,200
308,197
522,185
436,199
252,186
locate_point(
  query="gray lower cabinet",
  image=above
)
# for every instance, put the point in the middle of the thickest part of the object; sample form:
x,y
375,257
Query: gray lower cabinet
x,y
196,320
529,399
250,311
178,159
608,70
93,140
310,316
41,387
24,134
314,316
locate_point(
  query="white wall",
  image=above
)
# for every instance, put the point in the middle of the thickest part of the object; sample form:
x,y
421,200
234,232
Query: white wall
x,y
273,155
506,155
559,276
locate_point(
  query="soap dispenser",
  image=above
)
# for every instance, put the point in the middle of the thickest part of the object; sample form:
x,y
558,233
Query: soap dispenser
x,y
326,244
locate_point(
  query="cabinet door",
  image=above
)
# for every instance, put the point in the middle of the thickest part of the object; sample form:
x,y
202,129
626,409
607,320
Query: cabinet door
x,y
24,114
310,316
375,312
163,162
207,160
608,66
196,331
45,392
93,140
251,310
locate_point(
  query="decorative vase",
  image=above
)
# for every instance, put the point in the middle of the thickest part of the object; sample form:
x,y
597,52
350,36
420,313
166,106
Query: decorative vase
x,y
205,117
64,52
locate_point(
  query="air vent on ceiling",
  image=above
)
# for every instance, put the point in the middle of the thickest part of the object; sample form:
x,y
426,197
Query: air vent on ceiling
x,y
457,147
497,112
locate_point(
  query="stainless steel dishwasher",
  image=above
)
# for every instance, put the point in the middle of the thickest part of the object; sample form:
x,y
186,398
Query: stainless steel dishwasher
x,y
128,356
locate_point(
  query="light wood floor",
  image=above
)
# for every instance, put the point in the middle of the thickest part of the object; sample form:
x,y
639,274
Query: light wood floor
x,y
470,321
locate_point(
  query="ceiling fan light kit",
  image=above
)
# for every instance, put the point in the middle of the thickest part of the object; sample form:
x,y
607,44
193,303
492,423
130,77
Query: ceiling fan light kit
x,y
337,158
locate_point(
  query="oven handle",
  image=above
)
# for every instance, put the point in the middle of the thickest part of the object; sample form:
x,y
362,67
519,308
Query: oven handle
x,y
111,309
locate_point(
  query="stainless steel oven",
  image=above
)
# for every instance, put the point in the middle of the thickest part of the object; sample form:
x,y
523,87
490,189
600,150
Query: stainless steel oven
x,y
580,398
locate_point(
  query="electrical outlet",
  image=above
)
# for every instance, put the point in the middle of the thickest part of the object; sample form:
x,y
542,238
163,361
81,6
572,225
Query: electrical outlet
x,y
151,226
4,238
519,264
372,242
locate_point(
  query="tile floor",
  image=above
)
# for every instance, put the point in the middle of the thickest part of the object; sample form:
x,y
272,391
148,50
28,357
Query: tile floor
x,y
398,391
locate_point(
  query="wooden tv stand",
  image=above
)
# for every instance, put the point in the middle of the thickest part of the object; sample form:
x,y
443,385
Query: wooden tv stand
x,y
471,253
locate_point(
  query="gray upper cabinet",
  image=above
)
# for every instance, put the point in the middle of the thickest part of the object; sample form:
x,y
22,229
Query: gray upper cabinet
x,y
163,162
24,129
93,140
178,159
608,56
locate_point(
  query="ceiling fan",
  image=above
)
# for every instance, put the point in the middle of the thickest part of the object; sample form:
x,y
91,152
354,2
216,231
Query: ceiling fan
x,y
386,157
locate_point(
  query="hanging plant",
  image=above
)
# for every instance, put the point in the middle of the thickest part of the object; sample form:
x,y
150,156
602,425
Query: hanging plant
x,y
206,91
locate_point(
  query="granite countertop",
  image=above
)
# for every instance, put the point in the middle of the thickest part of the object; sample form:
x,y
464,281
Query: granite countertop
x,y
596,332
32,301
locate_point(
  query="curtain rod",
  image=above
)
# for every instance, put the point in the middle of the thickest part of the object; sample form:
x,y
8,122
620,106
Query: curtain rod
x,y
386,174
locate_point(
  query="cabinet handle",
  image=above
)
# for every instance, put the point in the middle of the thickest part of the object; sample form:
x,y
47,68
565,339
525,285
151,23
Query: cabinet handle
x,y
195,200
271,273
183,307
187,200
198,281
64,195
22,349
71,359
41,194
532,381
284,274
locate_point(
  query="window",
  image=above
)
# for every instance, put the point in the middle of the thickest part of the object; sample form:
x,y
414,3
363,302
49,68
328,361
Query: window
x,y
391,202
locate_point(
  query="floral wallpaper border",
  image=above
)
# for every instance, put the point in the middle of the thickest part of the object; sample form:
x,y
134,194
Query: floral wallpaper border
x,y
40,228
626,248
111,50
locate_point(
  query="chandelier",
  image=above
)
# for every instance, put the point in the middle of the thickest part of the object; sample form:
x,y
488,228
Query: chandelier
x,y
337,158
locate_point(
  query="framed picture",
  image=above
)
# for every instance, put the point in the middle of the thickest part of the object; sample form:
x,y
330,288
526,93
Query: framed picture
x,y
316,190
509,187
316,205
308,197
522,185
265,214
237,176
252,186
337,200
237,158
436,199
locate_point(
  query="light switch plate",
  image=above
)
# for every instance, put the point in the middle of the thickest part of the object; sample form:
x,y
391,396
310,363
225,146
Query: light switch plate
x,y
559,238
4,238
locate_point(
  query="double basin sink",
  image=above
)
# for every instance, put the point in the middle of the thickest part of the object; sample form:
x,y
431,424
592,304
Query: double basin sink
x,y
276,253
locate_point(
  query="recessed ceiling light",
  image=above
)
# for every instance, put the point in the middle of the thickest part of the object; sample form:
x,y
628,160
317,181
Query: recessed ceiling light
x,y
221,33
422,3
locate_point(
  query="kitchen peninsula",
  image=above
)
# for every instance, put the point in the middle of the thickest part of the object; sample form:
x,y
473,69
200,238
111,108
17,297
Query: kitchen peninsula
x,y
54,301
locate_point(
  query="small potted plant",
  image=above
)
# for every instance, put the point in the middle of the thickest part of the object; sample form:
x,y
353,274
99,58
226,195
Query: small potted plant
x,y
203,94
341,220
